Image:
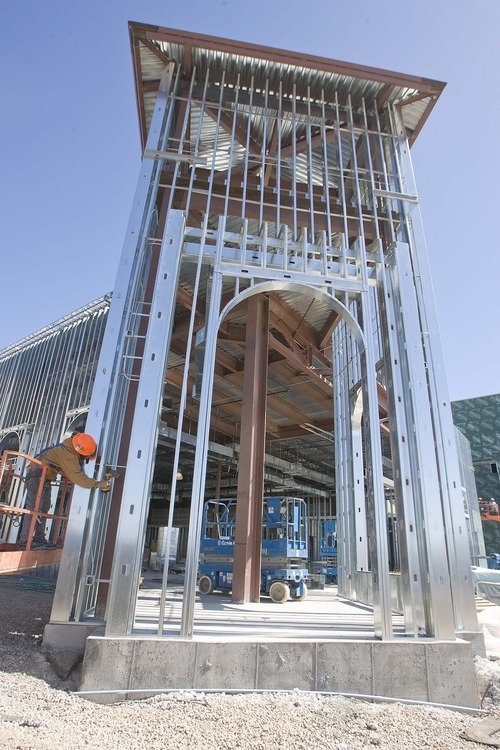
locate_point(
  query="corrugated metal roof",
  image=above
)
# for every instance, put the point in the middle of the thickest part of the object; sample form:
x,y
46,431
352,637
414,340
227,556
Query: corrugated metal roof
x,y
151,66
312,311
313,77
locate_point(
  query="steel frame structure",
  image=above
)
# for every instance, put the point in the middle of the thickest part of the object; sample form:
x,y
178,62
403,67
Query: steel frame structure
x,y
46,382
271,173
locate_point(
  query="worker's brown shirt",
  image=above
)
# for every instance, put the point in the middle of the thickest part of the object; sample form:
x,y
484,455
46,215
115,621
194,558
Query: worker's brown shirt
x,y
68,460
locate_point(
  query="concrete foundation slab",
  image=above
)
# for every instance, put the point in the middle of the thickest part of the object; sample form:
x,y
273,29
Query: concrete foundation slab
x,y
400,666
160,665
324,643
449,674
349,663
112,663
289,665
427,670
231,664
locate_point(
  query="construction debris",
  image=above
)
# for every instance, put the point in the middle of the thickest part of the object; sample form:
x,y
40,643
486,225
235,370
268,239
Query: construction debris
x,y
483,732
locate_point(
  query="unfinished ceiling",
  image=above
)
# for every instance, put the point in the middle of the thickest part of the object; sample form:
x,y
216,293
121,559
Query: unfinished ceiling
x,y
251,140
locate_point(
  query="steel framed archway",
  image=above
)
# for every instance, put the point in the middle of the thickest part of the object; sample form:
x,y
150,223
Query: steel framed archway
x,y
215,317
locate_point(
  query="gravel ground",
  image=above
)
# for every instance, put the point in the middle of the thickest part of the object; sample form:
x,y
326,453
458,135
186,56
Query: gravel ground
x,y
38,711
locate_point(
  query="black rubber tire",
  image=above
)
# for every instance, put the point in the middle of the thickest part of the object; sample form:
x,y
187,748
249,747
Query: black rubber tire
x,y
298,597
205,585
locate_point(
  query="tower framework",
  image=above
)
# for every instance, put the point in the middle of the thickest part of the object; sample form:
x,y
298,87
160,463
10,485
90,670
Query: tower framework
x,y
274,291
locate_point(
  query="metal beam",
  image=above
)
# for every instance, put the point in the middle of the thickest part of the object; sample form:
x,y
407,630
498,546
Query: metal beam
x,y
127,558
248,529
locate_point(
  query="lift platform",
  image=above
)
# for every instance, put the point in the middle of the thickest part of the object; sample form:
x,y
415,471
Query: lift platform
x,y
284,547
14,559
489,510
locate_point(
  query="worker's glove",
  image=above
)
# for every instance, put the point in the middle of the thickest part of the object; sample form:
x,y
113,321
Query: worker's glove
x,y
105,485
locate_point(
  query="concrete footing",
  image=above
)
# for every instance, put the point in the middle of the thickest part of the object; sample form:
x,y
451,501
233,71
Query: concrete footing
x,y
424,670
476,640
64,636
64,645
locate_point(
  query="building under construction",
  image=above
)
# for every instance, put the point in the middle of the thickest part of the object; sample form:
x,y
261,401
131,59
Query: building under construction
x,y
479,420
271,332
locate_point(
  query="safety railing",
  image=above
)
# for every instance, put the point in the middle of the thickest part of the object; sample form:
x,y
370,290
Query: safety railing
x,y
12,472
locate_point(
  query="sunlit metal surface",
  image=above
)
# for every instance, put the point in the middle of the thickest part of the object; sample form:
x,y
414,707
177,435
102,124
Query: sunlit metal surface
x,y
292,178
45,386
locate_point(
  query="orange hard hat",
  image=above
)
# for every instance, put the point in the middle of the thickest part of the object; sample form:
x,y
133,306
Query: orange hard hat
x,y
84,444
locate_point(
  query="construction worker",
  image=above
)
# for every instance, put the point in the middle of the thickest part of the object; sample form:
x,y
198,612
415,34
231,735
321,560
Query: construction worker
x,y
66,458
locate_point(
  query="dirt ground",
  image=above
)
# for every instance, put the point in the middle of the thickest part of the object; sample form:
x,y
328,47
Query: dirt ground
x,y
25,604
38,710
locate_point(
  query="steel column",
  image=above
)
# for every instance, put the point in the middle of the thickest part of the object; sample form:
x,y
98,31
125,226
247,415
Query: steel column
x,y
200,462
376,511
359,527
464,608
248,530
346,532
429,513
129,545
406,478
108,374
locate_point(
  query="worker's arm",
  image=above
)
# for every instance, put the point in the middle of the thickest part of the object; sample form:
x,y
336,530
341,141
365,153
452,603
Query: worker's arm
x,y
71,469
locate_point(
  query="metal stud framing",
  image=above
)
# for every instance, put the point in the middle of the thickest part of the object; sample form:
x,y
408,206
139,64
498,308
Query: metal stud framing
x,y
290,180
76,590
40,409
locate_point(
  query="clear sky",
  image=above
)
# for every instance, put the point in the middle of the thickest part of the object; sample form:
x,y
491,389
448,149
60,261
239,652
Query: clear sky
x,y
70,149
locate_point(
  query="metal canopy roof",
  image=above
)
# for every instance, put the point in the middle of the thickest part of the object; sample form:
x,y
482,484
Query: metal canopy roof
x,y
154,46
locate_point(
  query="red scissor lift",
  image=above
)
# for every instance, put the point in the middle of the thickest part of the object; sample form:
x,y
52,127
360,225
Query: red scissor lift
x,y
12,493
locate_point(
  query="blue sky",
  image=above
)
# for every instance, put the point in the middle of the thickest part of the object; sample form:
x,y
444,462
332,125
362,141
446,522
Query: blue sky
x,y
70,144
